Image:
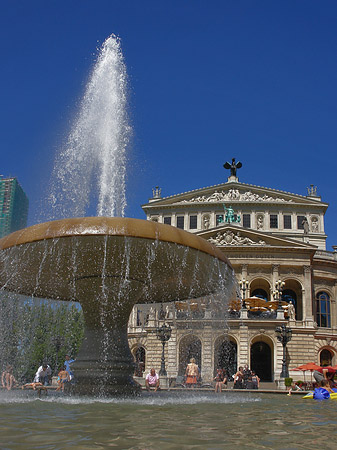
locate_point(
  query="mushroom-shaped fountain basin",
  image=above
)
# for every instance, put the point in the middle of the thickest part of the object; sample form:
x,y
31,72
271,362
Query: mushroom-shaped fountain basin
x,y
109,265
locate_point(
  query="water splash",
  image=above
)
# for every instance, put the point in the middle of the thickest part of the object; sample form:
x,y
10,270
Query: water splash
x,y
93,161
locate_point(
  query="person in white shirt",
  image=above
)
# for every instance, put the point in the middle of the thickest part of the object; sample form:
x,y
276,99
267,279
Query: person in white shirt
x,y
152,380
43,374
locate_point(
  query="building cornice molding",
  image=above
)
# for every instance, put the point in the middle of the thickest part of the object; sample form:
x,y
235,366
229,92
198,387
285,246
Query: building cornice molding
x,y
235,188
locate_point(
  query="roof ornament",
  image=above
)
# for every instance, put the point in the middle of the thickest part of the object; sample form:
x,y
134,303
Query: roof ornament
x,y
156,192
312,191
233,168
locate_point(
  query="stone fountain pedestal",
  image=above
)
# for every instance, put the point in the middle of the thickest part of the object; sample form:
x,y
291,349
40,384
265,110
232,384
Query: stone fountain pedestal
x,y
108,265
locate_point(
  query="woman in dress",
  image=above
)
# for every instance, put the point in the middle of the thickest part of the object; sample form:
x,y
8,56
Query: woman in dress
x,y
192,373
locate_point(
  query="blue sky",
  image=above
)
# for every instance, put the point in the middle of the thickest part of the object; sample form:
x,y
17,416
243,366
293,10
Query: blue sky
x,y
209,80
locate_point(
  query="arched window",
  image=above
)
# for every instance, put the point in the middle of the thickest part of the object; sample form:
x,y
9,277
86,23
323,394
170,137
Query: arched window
x,y
261,293
323,315
290,296
225,356
190,347
325,358
139,356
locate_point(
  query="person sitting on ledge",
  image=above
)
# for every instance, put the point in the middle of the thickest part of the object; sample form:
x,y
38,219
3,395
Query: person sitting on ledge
x,y
8,381
63,377
152,380
43,375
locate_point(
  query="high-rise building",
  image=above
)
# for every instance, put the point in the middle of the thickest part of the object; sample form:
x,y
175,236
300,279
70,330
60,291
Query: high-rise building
x,y
13,206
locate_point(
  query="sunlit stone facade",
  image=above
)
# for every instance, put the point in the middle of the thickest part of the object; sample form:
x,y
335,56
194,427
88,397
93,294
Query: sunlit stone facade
x,y
268,235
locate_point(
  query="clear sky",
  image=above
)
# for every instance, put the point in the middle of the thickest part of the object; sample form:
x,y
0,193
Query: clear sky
x,y
209,80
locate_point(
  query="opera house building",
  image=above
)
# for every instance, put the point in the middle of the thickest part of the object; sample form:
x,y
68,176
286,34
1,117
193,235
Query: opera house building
x,y
276,243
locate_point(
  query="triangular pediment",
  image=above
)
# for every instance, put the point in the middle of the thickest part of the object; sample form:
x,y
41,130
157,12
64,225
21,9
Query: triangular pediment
x,y
234,193
236,236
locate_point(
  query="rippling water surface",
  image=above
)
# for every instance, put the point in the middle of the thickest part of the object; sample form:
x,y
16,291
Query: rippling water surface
x,y
168,421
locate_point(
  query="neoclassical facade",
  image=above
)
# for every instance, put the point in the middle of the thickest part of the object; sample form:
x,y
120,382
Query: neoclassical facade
x,y
269,236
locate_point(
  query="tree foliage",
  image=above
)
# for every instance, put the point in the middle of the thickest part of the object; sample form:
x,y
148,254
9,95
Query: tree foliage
x,y
37,331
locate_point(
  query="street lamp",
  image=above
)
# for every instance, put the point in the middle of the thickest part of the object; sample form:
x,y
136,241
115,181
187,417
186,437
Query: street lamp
x,y
279,286
244,286
163,334
283,335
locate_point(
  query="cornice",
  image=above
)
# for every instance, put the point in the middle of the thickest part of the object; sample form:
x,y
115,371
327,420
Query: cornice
x,y
234,184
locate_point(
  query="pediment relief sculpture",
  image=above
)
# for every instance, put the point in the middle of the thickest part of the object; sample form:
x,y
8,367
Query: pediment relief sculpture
x,y
235,194
229,237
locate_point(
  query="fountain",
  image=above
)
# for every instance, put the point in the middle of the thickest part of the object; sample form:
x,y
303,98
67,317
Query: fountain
x,y
109,265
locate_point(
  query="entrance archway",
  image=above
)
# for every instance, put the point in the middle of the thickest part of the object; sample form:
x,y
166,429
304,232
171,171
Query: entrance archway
x,y
225,355
139,355
260,288
189,347
325,357
261,360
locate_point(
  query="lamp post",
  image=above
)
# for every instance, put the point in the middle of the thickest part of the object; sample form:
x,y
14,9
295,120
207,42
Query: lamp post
x,y
283,335
244,286
163,334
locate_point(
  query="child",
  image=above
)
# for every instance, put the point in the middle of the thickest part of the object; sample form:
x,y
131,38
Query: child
x,y
219,379
63,377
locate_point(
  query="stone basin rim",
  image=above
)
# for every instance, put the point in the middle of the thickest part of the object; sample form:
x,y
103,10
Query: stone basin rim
x,y
111,226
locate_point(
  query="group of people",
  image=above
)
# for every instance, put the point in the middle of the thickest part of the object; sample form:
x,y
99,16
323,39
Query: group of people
x,y
246,379
243,379
192,376
43,376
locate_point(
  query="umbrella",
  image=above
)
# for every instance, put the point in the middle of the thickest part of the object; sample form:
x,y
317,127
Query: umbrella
x,y
255,302
274,304
308,366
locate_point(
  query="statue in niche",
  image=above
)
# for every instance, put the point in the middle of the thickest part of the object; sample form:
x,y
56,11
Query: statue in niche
x,y
314,224
305,224
259,222
167,312
291,311
206,222
233,167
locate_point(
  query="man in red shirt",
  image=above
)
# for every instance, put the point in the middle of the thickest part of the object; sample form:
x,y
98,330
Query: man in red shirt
x,y
324,374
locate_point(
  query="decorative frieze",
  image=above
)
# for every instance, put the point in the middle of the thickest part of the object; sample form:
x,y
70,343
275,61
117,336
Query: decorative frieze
x,y
229,237
235,194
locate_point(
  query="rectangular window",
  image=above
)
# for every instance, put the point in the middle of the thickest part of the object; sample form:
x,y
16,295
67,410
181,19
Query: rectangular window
x,y
167,220
193,222
323,314
246,220
300,225
180,222
273,221
219,219
287,222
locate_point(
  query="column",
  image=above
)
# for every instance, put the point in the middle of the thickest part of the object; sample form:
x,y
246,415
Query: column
x,y
308,317
206,355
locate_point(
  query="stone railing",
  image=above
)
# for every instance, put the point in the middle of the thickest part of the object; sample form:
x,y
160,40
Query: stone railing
x,y
324,254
